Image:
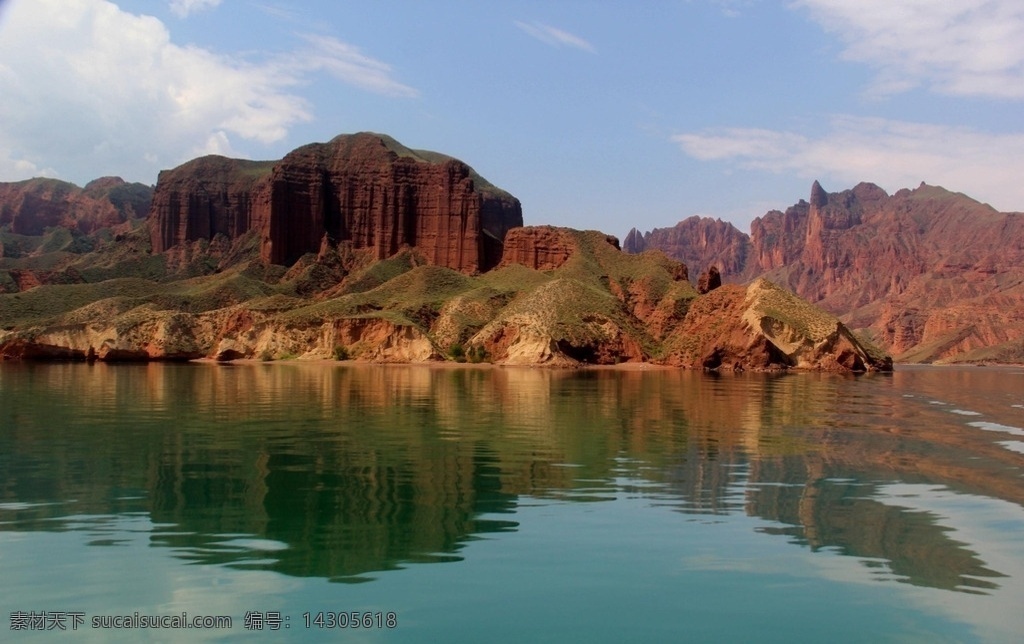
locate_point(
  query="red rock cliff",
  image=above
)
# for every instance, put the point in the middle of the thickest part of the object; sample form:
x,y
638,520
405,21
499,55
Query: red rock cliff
x,y
364,189
204,197
929,273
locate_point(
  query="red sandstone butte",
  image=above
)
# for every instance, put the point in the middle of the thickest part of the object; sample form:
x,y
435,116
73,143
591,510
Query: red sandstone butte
x,y
366,190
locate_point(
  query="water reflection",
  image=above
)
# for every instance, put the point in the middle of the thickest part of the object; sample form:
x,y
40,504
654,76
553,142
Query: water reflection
x,y
340,472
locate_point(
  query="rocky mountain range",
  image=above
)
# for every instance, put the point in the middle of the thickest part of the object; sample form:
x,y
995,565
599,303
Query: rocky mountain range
x,y
928,274
362,248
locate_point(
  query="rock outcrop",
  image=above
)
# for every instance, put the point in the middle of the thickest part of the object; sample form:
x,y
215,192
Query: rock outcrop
x,y
930,274
635,242
175,336
543,248
30,207
764,327
364,190
709,280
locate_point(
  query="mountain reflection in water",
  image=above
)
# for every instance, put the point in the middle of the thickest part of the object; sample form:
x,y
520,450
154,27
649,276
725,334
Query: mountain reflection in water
x,y
341,472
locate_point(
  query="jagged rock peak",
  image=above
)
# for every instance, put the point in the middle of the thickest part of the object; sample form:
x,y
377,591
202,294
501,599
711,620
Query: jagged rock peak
x,y
818,195
635,242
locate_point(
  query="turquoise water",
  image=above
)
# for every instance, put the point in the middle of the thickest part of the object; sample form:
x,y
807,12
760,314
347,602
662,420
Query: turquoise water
x,y
490,504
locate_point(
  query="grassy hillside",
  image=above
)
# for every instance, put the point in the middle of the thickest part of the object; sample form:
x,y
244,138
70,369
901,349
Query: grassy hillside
x,y
600,306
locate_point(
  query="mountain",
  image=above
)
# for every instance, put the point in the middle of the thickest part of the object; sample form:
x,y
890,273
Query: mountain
x,y
30,207
930,275
46,224
361,248
698,242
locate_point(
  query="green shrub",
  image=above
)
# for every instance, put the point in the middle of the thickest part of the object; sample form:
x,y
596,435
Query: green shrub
x,y
478,354
266,356
457,353
341,353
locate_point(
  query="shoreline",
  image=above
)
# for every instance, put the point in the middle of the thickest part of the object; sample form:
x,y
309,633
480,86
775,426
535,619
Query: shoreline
x,y
441,364
622,366
451,364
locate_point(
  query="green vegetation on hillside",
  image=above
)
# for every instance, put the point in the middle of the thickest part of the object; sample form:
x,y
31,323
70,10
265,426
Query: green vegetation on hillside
x,y
586,298
599,306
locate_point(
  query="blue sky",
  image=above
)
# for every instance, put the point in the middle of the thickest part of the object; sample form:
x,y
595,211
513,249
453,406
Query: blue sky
x,y
601,115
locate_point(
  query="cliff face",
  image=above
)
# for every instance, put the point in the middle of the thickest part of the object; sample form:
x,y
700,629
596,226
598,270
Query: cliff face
x,y
365,190
205,197
30,207
930,274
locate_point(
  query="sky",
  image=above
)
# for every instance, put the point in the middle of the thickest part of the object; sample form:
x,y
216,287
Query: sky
x,y
595,114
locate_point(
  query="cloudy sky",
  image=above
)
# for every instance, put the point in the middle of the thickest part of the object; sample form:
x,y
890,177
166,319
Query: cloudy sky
x,y
600,115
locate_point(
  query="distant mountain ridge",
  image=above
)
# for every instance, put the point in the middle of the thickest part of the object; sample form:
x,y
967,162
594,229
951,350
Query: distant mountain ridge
x,y
29,207
929,274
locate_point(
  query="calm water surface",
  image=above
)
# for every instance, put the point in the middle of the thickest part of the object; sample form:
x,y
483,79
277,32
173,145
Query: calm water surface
x,y
514,504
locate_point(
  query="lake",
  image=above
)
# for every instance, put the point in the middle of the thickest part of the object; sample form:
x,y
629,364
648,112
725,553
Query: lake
x,y
509,504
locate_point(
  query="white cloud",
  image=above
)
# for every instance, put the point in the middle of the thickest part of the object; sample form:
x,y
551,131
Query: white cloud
x,y
349,64
893,154
956,47
733,8
18,169
279,12
90,89
555,37
182,8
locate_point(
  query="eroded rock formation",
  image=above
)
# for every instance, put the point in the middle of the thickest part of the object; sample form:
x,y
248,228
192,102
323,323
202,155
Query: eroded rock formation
x,y
762,327
543,248
697,241
932,275
387,251
364,190
709,280
205,197
635,242
174,336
